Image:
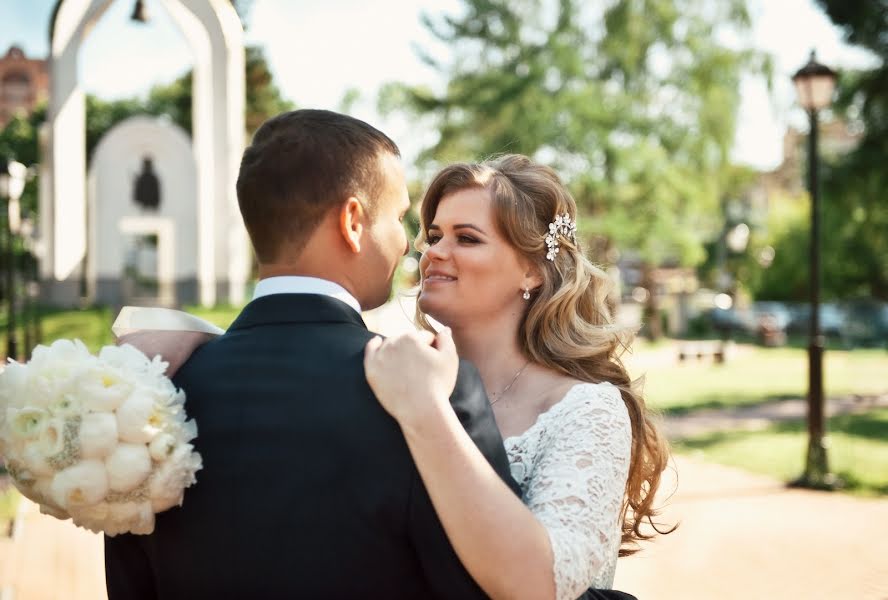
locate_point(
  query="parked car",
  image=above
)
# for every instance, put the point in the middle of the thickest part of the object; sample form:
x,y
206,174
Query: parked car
x,y
833,320
867,323
731,320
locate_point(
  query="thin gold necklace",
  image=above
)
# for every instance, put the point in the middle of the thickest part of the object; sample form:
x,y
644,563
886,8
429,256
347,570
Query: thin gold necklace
x,y
499,396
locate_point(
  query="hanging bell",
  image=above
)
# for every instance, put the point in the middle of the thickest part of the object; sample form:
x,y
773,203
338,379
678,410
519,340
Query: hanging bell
x,y
139,12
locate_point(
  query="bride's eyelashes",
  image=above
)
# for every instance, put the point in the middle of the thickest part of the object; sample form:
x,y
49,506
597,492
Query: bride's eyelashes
x,y
431,240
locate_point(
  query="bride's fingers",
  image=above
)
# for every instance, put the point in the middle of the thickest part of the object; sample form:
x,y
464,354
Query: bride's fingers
x,y
444,341
371,347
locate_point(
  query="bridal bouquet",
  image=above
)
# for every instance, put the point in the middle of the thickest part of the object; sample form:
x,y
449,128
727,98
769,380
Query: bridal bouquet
x,y
101,440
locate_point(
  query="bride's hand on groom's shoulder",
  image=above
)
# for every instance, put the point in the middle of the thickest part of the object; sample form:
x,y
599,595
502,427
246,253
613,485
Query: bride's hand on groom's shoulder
x,y
413,374
174,347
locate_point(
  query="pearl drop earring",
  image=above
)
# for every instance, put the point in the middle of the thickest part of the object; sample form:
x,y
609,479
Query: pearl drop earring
x,y
526,294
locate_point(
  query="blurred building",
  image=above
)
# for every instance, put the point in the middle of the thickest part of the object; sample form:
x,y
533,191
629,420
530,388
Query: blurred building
x,y
24,82
837,137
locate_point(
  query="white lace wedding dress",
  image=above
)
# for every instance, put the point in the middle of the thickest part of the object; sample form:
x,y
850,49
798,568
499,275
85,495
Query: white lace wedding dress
x,y
572,465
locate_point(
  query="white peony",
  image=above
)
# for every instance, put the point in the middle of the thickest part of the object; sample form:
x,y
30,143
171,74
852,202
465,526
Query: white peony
x,y
128,466
92,516
83,483
103,441
171,477
103,388
162,447
27,423
13,383
138,418
98,434
129,517
35,461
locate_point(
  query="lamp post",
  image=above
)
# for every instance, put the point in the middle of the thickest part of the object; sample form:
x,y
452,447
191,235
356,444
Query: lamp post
x,y
815,84
12,184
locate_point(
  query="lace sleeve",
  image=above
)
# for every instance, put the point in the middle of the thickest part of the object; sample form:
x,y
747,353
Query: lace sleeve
x,y
577,486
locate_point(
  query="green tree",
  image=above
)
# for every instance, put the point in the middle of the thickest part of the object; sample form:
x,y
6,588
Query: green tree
x,y
855,207
635,106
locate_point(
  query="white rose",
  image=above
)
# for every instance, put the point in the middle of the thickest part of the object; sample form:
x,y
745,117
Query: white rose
x,y
128,466
27,423
172,477
98,434
138,418
83,483
129,517
103,389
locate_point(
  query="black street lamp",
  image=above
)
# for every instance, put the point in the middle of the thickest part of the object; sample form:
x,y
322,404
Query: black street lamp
x,y
12,183
815,84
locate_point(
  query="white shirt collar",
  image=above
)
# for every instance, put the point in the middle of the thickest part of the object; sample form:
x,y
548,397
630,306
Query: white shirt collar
x,y
293,284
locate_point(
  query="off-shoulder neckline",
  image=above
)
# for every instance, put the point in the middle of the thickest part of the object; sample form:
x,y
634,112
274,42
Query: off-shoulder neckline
x,y
549,411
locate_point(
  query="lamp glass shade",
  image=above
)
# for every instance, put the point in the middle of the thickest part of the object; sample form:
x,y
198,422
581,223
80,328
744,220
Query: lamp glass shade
x,y
815,91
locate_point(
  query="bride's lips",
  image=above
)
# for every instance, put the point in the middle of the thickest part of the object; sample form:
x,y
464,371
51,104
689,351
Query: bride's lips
x,y
437,277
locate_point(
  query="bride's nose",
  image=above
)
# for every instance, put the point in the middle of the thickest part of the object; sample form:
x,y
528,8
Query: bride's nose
x,y
439,251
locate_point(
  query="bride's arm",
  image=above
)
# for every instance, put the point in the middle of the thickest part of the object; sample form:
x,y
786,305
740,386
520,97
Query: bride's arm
x,y
174,347
499,541
172,334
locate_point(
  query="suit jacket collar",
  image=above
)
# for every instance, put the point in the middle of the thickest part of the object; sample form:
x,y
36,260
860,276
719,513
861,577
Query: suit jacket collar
x,y
296,308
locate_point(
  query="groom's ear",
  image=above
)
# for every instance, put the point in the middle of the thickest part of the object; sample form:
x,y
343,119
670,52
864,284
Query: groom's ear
x,y
351,223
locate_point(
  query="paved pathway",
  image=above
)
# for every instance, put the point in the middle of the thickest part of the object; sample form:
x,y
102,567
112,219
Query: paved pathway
x,y
747,536
50,559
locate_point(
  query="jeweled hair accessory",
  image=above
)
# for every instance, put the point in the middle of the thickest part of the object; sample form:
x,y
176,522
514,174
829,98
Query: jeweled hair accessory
x,y
563,226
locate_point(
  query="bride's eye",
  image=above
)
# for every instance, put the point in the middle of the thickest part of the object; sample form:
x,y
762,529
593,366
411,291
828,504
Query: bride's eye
x,y
431,240
467,239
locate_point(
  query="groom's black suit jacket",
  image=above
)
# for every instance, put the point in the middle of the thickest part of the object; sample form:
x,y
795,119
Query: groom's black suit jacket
x,y
308,489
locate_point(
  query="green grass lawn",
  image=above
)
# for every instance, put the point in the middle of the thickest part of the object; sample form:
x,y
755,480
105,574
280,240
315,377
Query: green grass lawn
x,y
758,375
857,452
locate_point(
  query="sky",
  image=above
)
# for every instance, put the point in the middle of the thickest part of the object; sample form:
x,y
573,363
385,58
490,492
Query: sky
x,y
318,49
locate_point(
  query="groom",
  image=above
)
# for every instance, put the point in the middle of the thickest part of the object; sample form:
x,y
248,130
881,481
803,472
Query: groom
x,y
308,489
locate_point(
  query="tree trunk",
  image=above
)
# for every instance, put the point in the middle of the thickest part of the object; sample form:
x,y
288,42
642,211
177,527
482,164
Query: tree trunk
x,y
651,318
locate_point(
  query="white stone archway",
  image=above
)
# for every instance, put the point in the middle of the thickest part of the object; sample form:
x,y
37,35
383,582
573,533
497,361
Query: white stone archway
x,y
214,32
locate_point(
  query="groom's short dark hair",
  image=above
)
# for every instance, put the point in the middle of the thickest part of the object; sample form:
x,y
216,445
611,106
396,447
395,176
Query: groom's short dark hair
x,y
301,164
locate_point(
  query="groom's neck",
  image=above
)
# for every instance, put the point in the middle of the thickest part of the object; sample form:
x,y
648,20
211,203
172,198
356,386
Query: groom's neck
x,y
307,270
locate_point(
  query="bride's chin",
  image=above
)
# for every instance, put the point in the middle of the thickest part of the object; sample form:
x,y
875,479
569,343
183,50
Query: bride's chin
x,y
434,310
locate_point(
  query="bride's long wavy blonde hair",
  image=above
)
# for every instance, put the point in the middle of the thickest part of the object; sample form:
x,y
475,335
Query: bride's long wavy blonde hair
x,y
568,325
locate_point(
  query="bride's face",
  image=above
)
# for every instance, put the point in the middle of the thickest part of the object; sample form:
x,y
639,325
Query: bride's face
x,y
469,271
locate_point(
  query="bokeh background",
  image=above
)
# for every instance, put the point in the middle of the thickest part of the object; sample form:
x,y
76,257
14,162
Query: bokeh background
x,y
677,127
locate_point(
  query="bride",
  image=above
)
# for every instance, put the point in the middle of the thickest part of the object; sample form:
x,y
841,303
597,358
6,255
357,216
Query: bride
x,y
503,271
